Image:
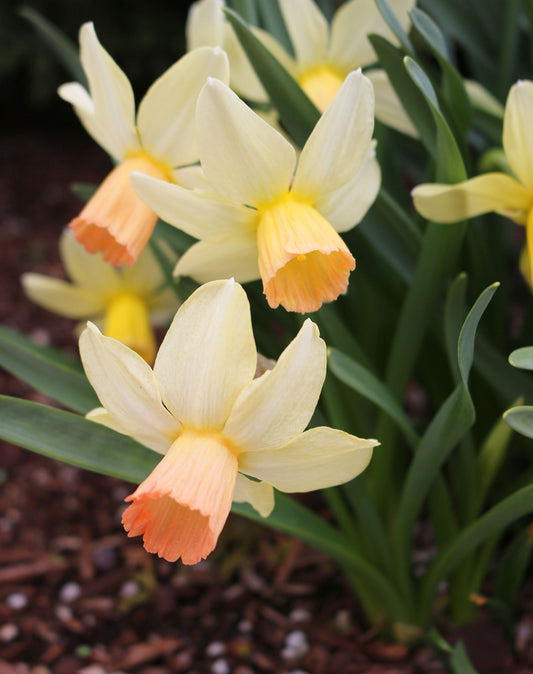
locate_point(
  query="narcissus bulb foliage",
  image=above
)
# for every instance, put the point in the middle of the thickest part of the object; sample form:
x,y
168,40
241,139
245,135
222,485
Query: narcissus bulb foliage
x,y
159,141
511,196
214,423
264,216
126,303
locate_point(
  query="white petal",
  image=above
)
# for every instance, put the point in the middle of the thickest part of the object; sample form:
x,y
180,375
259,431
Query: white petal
x,y
126,387
345,207
166,118
207,356
339,142
259,495
205,24
279,404
146,275
190,177
88,270
389,110
112,97
213,259
146,435
482,194
62,297
316,459
202,215
518,132
308,30
353,21
243,157
243,79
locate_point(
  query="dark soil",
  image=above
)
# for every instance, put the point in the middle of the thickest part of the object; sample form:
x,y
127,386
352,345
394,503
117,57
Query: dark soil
x,y
76,595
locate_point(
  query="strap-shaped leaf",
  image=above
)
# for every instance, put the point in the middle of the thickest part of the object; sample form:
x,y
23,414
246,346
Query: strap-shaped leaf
x,y
520,419
522,358
47,370
392,21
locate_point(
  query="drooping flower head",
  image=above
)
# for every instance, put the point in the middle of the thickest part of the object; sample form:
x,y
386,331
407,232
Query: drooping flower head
x,y
125,303
265,217
159,141
511,196
214,423
324,53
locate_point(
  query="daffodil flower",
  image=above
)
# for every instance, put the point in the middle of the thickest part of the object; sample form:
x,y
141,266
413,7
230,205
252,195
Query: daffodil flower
x,y
125,302
215,424
508,195
159,141
266,218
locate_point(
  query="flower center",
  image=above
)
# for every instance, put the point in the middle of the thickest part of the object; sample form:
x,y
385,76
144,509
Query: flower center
x,y
321,83
302,259
127,319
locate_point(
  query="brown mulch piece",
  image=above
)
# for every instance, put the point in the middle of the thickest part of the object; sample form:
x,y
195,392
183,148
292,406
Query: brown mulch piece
x,y
77,595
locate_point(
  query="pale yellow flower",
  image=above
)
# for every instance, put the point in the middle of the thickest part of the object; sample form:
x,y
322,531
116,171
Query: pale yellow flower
x,y
266,217
159,140
126,303
505,194
214,423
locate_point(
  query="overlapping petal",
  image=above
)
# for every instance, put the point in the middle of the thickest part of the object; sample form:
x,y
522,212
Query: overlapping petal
x,y
200,214
259,495
321,457
484,193
221,258
279,404
205,24
208,355
62,297
166,117
112,97
518,131
87,270
243,157
388,108
339,142
126,386
148,435
308,30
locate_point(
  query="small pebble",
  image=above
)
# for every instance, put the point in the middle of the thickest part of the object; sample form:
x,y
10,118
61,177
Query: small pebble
x,y
295,645
299,615
63,612
129,588
214,649
220,667
104,558
17,600
69,592
8,632
245,626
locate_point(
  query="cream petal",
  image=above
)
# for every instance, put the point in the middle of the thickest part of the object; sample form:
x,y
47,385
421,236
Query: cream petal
x,y
166,118
146,435
389,110
278,405
112,97
353,21
205,24
62,297
207,356
202,215
243,79
518,131
146,275
88,270
346,206
243,157
75,94
221,258
259,495
190,177
308,30
339,142
488,192
319,458
126,386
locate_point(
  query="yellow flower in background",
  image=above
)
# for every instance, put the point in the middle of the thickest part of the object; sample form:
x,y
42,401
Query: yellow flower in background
x,y
265,217
159,141
510,196
214,423
124,302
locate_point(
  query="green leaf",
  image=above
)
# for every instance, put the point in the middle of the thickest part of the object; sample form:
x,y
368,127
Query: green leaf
x,y
522,358
491,457
512,566
47,370
454,316
391,60
394,25
360,379
450,166
66,51
520,419
506,382
297,112
274,23
75,440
